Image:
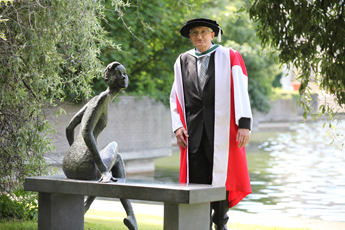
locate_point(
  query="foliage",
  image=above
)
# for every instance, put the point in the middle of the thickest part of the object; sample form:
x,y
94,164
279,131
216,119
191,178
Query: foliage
x,y
308,34
48,50
279,93
19,205
150,43
239,35
260,66
150,64
276,82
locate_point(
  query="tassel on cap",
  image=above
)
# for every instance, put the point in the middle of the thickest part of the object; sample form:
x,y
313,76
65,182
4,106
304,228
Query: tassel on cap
x,y
219,39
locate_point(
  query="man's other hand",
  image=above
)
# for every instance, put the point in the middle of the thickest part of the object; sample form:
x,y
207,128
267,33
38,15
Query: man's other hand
x,y
181,134
242,137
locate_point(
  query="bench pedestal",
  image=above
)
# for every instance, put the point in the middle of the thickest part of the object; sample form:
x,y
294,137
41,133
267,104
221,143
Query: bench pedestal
x,y
61,200
186,216
60,211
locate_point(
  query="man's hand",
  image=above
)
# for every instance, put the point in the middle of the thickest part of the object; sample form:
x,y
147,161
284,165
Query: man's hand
x,y
181,134
242,137
106,177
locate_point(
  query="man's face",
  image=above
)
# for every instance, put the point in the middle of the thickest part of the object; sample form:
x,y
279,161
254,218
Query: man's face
x,y
201,37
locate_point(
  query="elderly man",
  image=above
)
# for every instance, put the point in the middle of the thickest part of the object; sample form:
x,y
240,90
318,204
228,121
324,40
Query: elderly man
x,y
211,115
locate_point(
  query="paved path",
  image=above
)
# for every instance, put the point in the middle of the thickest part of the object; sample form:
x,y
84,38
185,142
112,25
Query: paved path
x,y
235,216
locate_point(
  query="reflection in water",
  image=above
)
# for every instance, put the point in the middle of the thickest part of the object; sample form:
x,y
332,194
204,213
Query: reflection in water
x,y
298,173
293,173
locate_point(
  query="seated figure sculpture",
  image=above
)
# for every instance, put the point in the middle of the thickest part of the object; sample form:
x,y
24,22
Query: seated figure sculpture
x,y
83,160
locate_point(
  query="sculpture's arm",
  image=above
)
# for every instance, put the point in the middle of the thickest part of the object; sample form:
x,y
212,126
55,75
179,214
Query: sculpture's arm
x,y
75,121
96,107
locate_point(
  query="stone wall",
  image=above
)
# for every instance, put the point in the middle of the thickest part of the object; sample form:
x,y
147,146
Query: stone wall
x,y
141,127
282,114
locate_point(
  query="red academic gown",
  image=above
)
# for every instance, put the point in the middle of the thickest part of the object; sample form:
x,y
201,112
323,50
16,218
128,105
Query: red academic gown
x,y
231,104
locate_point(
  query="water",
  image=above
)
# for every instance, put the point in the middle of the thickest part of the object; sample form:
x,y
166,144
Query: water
x,y
297,173
293,173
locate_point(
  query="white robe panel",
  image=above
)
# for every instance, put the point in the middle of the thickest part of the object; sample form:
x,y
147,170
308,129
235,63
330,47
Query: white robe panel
x,y
222,116
242,103
177,90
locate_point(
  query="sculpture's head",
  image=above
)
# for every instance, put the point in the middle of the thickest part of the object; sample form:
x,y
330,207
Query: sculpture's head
x,y
115,76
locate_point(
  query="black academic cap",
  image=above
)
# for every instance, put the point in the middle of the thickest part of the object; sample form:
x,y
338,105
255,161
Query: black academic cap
x,y
184,31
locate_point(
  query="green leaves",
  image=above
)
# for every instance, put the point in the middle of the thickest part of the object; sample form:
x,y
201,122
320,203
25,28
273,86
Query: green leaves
x,y
309,35
150,64
149,49
48,51
19,205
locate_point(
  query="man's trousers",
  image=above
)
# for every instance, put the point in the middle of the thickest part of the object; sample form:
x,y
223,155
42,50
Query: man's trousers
x,y
200,172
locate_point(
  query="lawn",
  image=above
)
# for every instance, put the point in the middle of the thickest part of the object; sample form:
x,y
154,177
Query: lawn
x,y
106,220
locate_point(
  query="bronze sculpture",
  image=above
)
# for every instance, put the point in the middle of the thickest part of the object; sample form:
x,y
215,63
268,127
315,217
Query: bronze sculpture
x,y
83,161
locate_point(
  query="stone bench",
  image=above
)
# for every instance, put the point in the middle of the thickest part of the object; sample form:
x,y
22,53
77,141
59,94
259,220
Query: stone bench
x,y
61,200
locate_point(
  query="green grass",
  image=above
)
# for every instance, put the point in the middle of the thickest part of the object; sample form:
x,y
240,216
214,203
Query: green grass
x,y
106,220
172,162
113,220
14,224
259,227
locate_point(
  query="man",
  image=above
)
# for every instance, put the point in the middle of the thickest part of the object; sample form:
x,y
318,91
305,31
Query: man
x,y
211,115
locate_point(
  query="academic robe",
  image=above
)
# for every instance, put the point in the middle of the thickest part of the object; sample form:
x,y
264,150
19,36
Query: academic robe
x,y
231,103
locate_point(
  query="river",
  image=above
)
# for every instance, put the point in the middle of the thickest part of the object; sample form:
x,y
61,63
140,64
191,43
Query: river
x,y
295,172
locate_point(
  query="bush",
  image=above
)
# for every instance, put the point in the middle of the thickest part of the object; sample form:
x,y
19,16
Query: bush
x,y
20,205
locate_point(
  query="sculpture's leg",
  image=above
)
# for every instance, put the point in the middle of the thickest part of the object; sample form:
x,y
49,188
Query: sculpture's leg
x,y
88,202
119,172
108,155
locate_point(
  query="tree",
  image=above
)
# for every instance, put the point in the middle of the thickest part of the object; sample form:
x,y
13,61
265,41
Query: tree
x,y
240,35
308,34
49,52
150,64
148,32
48,49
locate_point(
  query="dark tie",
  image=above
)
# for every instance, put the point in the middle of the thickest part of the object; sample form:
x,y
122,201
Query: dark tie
x,y
202,71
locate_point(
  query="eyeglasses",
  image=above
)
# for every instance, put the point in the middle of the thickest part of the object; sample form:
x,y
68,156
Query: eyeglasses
x,y
203,33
